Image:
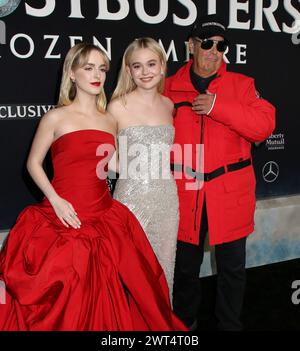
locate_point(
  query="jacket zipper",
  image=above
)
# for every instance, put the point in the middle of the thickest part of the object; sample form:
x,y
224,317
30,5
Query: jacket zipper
x,y
198,190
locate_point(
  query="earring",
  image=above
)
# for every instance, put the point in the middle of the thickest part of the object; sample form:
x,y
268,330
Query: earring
x,y
161,72
73,80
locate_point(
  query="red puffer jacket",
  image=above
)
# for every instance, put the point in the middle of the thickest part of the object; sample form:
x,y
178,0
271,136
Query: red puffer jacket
x,y
238,118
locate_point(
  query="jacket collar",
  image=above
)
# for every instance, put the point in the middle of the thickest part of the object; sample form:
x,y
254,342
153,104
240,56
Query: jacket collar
x,y
181,81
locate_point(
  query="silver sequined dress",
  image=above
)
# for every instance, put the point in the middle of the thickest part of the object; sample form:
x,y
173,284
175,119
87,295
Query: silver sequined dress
x,y
147,188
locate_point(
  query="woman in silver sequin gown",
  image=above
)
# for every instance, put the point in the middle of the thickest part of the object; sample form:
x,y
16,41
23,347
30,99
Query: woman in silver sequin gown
x,y
146,134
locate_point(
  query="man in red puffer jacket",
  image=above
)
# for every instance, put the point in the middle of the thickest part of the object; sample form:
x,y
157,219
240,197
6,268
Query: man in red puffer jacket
x,y
223,111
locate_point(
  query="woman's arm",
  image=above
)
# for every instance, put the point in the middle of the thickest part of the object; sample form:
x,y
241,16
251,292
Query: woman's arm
x,y
42,141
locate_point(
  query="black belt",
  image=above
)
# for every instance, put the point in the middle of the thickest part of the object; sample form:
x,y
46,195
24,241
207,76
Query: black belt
x,y
214,174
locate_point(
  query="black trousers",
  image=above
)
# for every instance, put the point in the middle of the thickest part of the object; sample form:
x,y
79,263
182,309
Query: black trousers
x,y
231,279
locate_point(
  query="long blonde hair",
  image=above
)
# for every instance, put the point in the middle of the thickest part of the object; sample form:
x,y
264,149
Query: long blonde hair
x,y
125,83
77,57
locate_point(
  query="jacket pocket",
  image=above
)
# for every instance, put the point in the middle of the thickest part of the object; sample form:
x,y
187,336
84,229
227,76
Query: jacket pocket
x,y
239,200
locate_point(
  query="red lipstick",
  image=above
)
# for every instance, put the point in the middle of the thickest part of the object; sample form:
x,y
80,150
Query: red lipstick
x,y
96,84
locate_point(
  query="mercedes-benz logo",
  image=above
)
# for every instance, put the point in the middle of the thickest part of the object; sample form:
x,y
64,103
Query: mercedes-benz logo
x,y
8,6
270,171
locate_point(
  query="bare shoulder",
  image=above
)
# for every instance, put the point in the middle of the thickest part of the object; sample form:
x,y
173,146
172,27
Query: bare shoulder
x,y
168,102
111,119
48,126
53,116
51,119
110,123
115,107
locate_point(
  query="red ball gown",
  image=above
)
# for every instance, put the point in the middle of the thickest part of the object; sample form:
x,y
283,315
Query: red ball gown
x,y
103,276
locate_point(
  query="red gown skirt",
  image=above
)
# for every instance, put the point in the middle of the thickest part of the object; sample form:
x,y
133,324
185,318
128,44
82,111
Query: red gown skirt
x,y
103,276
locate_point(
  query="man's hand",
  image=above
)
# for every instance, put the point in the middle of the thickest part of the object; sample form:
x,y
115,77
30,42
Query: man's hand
x,y
203,103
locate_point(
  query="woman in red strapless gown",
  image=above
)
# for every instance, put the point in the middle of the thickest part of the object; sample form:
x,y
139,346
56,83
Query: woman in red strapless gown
x,y
96,271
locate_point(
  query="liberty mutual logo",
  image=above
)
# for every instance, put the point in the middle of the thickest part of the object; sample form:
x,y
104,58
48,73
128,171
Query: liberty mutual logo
x,y
275,142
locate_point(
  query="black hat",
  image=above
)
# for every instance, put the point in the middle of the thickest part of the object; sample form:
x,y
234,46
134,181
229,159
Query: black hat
x,y
208,26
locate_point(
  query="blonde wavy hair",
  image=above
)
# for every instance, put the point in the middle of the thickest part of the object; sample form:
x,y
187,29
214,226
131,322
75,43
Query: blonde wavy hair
x,y
125,83
77,57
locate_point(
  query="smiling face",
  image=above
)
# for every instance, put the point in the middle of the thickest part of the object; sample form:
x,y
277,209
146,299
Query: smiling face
x,y
145,68
206,62
90,76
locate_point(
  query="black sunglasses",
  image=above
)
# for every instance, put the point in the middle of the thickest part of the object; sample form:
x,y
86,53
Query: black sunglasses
x,y
207,44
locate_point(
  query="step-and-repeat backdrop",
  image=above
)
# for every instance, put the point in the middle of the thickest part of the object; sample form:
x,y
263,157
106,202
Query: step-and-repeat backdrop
x,y
35,36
